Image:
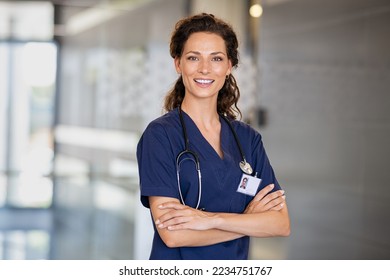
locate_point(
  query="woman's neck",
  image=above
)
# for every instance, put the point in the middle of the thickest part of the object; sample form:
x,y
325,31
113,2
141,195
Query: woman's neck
x,y
203,114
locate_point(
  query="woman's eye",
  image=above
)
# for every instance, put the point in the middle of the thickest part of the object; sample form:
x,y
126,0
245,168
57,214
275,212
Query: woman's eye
x,y
193,58
217,58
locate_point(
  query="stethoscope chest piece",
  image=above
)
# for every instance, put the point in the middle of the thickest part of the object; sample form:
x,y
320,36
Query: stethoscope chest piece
x,y
246,167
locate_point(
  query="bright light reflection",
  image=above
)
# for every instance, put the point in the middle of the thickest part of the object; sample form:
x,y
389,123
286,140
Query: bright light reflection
x,y
39,64
256,10
35,191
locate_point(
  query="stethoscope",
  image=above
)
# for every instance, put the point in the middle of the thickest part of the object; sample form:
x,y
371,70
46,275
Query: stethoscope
x,y
244,165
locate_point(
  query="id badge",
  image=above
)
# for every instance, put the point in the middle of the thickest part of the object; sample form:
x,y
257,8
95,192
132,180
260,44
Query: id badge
x,y
248,184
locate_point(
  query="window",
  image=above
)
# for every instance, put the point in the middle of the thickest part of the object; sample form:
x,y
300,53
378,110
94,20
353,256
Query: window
x,y
27,89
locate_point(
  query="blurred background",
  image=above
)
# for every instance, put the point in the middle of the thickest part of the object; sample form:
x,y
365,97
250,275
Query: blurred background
x,y
81,79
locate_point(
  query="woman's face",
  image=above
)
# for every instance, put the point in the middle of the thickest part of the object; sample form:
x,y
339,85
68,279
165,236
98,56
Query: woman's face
x,y
203,65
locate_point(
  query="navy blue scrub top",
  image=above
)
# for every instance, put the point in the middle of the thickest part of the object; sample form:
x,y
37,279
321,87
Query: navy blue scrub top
x,y
157,149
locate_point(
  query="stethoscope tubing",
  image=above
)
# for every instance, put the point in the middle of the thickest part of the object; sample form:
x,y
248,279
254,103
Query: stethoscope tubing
x,y
244,165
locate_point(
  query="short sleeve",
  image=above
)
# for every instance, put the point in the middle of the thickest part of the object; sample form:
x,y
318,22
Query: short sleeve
x,y
263,165
156,164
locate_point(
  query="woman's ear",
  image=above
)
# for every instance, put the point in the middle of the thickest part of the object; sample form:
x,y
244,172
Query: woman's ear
x,y
177,65
229,71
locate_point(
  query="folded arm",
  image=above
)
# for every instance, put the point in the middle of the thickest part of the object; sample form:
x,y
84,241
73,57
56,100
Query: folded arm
x,y
179,225
185,237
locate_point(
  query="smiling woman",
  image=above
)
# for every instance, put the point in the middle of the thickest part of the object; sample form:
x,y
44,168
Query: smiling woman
x,y
204,67
200,133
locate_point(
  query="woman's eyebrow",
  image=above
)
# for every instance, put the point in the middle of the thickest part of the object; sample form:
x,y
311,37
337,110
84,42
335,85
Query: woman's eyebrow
x,y
213,53
216,53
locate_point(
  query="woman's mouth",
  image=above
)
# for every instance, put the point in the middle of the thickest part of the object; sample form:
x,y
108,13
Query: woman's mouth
x,y
204,82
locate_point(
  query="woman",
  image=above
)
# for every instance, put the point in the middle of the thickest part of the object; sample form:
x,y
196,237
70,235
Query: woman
x,y
206,215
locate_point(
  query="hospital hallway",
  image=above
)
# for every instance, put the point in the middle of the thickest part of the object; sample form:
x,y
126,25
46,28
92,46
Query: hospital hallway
x,y
81,80
91,230
338,226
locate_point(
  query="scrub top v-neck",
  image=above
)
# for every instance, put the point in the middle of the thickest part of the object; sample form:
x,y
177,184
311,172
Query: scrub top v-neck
x,y
159,145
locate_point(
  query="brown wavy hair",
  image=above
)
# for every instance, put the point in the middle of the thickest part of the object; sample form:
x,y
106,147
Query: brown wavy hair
x,y
229,94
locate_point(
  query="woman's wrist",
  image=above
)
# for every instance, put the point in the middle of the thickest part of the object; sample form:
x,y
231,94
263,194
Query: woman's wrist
x,y
217,220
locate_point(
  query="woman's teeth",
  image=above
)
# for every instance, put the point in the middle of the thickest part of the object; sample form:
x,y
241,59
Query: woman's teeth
x,y
204,81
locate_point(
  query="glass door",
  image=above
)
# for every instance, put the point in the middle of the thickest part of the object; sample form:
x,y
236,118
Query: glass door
x,y
27,89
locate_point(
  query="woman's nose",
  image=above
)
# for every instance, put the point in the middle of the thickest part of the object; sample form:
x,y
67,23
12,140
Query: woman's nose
x,y
204,67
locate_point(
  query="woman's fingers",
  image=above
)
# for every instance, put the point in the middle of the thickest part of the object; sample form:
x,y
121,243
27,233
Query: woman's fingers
x,y
261,194
277,203
173,222
265,201
272,197
184,218
173,205
171,215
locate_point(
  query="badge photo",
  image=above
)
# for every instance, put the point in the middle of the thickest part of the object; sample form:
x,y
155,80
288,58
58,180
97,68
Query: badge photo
x,y
248,185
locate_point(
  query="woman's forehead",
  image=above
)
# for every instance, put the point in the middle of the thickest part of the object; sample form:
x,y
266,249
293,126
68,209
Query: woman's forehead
x,y
205,42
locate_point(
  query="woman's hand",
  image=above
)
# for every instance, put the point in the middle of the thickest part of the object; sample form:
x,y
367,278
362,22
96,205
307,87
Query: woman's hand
x,y
183,217
265,201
